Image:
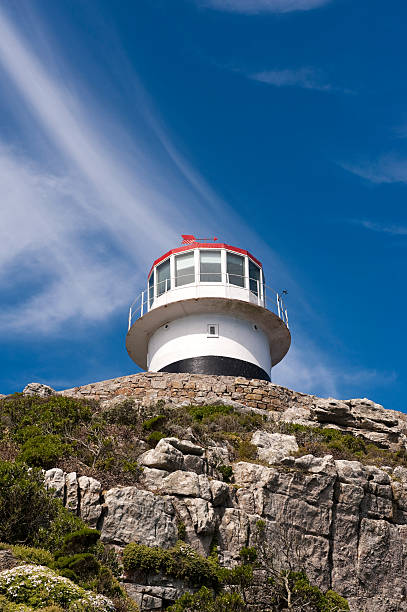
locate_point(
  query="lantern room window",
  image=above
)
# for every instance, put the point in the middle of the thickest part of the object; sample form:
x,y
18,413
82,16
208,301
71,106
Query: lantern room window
x,y
184,269
254,277
163,277
235,269
151,289
211,268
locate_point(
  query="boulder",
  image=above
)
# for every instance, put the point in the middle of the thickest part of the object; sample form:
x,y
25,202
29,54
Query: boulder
x,y
272,447
219,492
90,504
186,484
253,475
193,463
163,457
134,515
151,478
72,487
202,515
185,446
55,479
351,472
316,465
38,389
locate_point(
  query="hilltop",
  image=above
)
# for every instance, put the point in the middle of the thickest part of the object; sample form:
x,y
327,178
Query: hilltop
x,y
218,466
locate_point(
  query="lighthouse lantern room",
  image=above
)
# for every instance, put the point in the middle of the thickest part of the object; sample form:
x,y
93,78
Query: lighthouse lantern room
x,y
207,310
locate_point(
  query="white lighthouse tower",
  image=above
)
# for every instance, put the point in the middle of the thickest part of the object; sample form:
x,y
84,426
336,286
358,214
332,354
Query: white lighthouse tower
x,y
207,310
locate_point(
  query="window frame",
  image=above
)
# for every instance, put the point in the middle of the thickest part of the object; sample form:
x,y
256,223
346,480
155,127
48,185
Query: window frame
x,y
258,290
156,283
242,276
220,273
216,334
179,256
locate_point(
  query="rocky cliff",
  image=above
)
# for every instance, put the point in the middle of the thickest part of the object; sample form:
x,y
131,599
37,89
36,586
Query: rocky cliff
x,y
345,520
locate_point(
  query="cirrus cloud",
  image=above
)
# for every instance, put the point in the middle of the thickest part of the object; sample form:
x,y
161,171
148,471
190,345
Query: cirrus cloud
x,y
253,7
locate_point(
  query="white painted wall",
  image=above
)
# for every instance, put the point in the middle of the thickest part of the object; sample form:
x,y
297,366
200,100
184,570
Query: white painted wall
x,y
187,292
188,337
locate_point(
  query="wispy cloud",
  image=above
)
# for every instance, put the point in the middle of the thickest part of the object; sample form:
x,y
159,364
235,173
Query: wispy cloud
x,y
315,372
307,78
386,169
303,77
85,231
383,228
253,7
80,228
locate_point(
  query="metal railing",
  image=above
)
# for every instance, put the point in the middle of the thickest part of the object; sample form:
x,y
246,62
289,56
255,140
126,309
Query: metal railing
x,y
256,291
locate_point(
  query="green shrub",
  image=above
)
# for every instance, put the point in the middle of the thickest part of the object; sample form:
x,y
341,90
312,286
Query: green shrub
x,y
155,437
51,535
205,601
26,416
226,471
9,606
37,556
248,554
43,451
131,467
38,586
182,531
181,561
25,505
199,413
312,597
106,584
319,441
80,541
154,422
122,414
83,565
109,558
246,451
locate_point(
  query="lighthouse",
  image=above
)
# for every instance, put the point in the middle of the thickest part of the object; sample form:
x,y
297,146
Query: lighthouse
x,y
206,309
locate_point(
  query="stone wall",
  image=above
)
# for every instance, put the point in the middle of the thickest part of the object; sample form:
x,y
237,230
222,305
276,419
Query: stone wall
x,y
149,387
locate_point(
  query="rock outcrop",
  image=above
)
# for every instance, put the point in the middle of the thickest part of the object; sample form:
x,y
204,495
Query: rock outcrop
x,y
346,522
38,389
361,417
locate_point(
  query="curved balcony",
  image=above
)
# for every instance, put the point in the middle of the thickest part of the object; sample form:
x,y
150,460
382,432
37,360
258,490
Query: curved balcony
x,y
229,286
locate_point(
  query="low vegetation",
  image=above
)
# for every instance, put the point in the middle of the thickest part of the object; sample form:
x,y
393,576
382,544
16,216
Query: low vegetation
x,y
78,435
60,560
232,590
181,562
320,441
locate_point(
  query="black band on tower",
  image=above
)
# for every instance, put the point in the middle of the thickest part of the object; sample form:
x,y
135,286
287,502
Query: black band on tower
x,y
217,365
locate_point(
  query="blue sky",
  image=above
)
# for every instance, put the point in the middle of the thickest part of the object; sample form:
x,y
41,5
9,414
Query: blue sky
x,y
279,126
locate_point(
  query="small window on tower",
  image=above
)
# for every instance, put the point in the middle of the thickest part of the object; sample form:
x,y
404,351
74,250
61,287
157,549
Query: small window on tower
x,y
213,330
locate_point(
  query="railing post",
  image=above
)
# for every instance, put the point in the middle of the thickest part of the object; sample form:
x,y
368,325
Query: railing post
x,y
142,304
278,305
129,319
286,317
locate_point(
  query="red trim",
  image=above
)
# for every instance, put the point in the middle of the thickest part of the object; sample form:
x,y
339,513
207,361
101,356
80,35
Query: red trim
x,y
204,245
